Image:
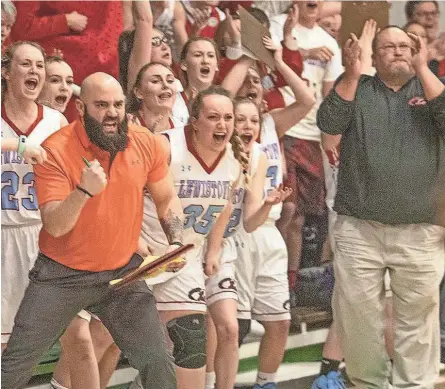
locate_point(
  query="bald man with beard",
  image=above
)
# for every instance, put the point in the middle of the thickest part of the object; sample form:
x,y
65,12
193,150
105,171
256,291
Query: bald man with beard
x,y
92,219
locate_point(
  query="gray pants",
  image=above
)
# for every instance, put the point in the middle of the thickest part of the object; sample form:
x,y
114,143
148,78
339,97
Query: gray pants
x,y
54,296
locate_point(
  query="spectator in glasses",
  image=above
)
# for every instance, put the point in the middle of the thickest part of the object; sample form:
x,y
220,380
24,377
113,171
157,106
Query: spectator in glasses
x,y
427,14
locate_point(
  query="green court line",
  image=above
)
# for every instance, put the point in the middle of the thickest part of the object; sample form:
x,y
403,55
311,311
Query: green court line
x,y
312,353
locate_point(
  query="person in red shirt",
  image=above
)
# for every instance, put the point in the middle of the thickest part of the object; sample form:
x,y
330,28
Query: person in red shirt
x,y
86,32
9,14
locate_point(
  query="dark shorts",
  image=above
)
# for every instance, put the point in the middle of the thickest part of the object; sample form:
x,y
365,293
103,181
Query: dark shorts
x,y
305,175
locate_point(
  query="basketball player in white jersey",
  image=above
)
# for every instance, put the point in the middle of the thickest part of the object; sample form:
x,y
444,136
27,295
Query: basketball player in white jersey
x,y
275,125
221,289
150,105
145,45
203,167
28,124
199,64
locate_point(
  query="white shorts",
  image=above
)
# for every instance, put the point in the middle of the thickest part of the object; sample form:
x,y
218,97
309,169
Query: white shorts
x,y
263,291
185,290
222,285
19,252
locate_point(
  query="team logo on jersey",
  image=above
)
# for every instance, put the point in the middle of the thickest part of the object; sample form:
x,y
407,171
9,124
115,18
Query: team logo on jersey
x,y
417,101
185,168
12,157
203,189
197,294
286,305
227,283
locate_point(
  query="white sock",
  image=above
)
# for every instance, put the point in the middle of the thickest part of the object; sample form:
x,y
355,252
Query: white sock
x,y
210,380
56,385
264,378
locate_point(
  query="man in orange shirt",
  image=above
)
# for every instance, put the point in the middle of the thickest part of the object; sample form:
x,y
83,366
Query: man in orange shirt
x,y
92,220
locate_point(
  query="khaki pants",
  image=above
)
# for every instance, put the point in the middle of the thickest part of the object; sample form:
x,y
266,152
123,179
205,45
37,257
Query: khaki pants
x,y
414,256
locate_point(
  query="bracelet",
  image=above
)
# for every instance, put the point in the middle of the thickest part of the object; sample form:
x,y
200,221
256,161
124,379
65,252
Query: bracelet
x,y
22,145
83,190
177,243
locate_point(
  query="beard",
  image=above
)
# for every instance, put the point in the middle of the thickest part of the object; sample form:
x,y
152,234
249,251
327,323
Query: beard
x,y
112,143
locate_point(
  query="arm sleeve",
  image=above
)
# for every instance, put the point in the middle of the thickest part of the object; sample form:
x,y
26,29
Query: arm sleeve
x,y
52,183
159,166
294,60
437,110
30,26
335,114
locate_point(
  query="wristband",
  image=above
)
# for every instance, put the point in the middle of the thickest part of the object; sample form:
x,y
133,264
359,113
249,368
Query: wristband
x,y
83,190
22,145
177,243
267,82
234,52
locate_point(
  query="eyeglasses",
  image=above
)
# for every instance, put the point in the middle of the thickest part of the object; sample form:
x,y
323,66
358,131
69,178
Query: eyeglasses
x,y
404,47
156,41
423,14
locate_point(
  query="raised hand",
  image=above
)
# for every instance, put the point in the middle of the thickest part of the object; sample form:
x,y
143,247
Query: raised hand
x,y
291,21
278,195
368,34
352,57
94,179
200,18
277,50
420,52
233,29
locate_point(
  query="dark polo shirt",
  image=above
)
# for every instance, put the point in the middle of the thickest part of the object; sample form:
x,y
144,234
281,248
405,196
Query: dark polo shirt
x,y
391,151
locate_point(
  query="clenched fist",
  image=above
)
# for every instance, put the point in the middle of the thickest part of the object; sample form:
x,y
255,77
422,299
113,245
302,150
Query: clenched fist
x,y
76,22
34,154
94,179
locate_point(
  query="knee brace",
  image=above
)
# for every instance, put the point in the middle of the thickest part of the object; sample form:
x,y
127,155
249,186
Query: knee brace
x,y
243,329
188,335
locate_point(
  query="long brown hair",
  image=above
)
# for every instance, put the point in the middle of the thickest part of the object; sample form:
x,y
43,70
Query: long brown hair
x,y
235,140
134,104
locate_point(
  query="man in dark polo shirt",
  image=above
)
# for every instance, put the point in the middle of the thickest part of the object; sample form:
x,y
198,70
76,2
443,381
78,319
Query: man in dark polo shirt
x,y
92,219
393,127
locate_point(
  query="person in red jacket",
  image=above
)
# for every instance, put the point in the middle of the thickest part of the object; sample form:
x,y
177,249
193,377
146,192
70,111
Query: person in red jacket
x,y
86,32
8,19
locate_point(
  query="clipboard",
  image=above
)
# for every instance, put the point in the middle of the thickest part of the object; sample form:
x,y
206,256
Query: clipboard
x,y
252,32
356,13
150,268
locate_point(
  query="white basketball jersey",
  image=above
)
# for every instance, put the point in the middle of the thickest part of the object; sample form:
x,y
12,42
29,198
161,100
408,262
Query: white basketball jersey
x,y
203,190
180,110
19,202
152,231
270,144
